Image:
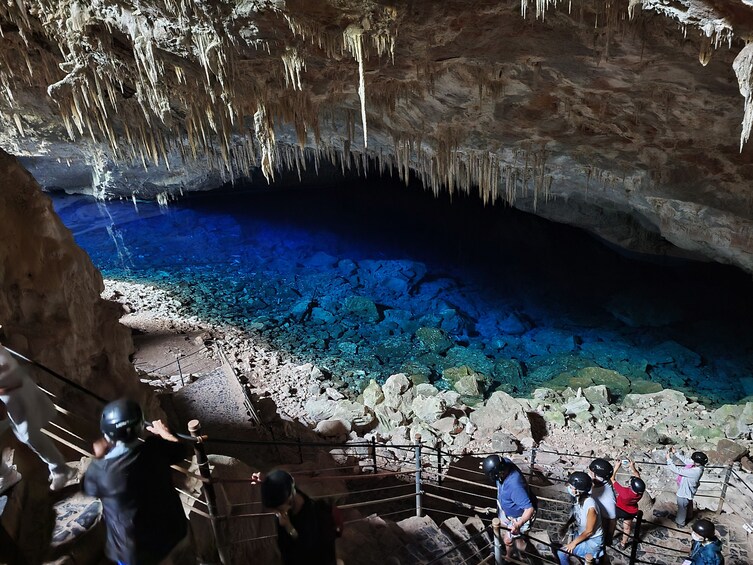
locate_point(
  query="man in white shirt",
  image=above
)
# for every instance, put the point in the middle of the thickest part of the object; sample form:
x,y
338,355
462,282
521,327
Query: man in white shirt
x,y
29,410
688,480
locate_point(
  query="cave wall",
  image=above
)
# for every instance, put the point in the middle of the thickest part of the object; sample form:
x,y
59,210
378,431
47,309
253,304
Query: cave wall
x,y
50,305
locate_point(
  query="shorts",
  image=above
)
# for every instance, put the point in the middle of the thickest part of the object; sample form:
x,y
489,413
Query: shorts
x,y
622,515
507,523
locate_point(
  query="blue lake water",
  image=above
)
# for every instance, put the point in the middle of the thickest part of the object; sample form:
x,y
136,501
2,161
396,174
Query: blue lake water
x,y
371,278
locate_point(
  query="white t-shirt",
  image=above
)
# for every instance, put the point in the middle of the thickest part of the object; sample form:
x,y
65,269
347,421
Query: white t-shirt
x,y
603,493
580,513
9,377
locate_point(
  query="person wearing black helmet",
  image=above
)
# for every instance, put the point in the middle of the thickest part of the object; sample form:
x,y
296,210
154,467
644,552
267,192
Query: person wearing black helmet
x,y
142,511
589,535
688,480
627,498
516,504
306,528
602,492
706,548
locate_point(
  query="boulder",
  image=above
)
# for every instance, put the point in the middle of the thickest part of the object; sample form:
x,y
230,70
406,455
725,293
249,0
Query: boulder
x,y
394,388
372,394
471,384
747,464
468,386
426,389
643,386
433,339
362,307
616,383
504,443
727,452
502,411
361,418
428,408
447,425
320,408
598,394
668,397
577,405
333,429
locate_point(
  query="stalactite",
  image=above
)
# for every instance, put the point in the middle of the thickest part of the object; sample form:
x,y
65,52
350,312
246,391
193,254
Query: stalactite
x,y
353,42
743,66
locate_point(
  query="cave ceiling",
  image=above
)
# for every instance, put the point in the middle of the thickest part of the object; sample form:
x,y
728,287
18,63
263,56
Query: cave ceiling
x,y
628,118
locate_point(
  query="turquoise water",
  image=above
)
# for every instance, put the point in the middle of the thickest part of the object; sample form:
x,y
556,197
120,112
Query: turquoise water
x,y
372,278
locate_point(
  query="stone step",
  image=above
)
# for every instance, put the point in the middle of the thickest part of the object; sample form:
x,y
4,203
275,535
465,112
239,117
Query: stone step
x,y
429,542
457,532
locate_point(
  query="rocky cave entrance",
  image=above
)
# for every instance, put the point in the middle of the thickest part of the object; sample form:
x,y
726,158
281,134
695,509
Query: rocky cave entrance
x,y
365,278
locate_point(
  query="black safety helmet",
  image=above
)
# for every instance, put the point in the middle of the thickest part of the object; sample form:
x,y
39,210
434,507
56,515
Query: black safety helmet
x,y
601,468
122,420
638,485
700,458
496,468
581,481
704,528
277,488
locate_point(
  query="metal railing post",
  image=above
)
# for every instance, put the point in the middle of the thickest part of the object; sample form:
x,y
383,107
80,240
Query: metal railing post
x,y
180,371
727,477
438,447
497,535
636,538
194,428
374,453
419,509
533,458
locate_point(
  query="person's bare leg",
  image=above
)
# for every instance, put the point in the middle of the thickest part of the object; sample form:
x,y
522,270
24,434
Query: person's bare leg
x,y
627,526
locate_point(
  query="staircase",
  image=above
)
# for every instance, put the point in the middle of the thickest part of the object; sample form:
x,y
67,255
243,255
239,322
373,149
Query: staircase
x,y
412,541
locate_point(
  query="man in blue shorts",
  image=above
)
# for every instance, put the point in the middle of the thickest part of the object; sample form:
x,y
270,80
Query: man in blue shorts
x,y
516,504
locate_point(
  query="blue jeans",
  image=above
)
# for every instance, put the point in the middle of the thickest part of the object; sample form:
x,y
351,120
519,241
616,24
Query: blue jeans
x,y
593,545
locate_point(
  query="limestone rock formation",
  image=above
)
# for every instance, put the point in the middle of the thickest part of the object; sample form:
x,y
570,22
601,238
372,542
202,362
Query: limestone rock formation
x,y
622,117
50,305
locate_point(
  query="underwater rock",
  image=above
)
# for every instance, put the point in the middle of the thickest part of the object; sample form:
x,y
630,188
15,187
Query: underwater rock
x,y
361,307
616,383
513,325
434,339
637,310
471,357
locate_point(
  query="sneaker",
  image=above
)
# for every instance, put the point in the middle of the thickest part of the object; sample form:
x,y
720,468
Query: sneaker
x,y
59,480
9,479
